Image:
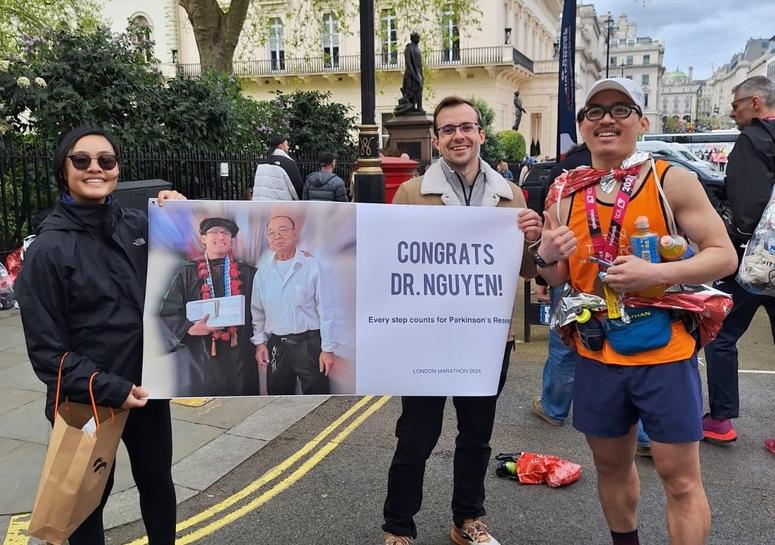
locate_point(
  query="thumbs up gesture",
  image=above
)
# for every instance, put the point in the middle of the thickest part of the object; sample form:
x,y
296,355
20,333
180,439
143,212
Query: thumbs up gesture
x,y
557,241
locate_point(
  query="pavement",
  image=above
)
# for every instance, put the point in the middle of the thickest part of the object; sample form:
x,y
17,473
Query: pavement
x,y
210,436
215,439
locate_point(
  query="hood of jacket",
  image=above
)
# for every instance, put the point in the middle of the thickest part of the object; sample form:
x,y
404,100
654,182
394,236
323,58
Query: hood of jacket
x,y
94,218
320,178
762,133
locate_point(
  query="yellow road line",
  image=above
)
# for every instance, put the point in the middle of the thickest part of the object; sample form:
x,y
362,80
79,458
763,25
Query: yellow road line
x,y
270,475
191,401
17,530
286,483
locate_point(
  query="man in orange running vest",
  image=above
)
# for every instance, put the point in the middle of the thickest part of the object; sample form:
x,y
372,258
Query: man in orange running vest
x,y
591,213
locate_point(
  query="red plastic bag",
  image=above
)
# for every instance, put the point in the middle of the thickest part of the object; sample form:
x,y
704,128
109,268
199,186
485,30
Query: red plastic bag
x,y
533,468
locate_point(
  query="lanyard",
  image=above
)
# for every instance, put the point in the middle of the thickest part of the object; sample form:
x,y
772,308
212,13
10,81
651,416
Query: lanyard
x,y
608,248
467,196
226,277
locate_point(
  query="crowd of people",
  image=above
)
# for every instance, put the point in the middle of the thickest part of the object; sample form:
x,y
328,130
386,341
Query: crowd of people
x,y
88,268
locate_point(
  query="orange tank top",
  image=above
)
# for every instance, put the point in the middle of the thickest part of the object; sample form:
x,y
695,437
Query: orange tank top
x,y
583,274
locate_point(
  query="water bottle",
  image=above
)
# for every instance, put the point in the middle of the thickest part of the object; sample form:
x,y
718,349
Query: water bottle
x,y
674,247
590,330
645,245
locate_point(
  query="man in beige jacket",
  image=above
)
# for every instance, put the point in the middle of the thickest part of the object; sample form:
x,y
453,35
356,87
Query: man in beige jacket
x,y
459,178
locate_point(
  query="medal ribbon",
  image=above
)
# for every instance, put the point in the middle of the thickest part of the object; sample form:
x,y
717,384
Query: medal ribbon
x,y
607,248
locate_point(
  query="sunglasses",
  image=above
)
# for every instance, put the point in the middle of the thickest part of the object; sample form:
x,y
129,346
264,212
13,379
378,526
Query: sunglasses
x,y
81,161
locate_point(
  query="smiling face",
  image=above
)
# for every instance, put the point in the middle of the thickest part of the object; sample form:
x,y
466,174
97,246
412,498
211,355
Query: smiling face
x,y
94,184
459,150
217,242
611,140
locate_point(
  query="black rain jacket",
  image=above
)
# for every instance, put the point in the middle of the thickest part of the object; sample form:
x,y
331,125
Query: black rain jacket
x,y
81,290
749,180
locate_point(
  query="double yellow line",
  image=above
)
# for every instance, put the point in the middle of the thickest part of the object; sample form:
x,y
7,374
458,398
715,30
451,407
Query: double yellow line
x,y
249,498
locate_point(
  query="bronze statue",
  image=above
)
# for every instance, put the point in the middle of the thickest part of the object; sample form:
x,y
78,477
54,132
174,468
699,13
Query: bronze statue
x,y
519,110
411,91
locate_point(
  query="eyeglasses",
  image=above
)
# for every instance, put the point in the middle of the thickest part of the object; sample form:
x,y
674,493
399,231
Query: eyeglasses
x,y
81,161
734,102
281,231
620,110
465,128
215,231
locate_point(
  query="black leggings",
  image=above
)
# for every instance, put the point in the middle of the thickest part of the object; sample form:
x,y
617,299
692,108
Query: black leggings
x,y
148,439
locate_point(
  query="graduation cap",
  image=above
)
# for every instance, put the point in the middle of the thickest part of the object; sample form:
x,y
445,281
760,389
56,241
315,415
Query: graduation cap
x,y
209,223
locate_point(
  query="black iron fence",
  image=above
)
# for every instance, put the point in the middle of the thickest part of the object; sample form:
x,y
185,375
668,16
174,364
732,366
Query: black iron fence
x,y
28,187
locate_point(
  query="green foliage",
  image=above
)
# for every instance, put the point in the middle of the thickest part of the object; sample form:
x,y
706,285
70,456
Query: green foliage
x,y
314,123
492,152
70,78
513,145
20,19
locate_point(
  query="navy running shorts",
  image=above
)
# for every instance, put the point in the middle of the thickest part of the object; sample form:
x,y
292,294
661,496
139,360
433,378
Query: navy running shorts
x,y
667,397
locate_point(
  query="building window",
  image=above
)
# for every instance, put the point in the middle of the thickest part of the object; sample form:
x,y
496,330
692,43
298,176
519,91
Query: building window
x,y
646,100
276,44
771,70
646,59
613,61
450,35
142,35
330,42
644,79
630,60
389,30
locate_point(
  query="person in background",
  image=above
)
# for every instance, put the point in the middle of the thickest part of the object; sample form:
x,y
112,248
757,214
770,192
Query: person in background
x,y
503,170
81,290
324,184
749,181
279,155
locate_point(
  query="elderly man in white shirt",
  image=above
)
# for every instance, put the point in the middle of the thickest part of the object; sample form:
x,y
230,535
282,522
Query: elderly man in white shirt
x,y
291,323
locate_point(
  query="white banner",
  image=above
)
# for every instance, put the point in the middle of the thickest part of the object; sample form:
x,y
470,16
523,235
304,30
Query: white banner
x,y
339,298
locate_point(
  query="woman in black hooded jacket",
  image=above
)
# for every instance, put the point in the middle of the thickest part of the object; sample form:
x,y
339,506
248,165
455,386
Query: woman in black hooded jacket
x,y
81,292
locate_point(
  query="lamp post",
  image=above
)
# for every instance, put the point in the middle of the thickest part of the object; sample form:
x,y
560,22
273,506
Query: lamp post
x,y
622,66
608,43
369,178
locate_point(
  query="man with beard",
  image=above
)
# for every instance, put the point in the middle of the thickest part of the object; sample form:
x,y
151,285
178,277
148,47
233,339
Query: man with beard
x,y
211,361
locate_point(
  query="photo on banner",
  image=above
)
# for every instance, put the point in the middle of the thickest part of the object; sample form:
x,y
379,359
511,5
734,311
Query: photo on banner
x,y
314,298
309,297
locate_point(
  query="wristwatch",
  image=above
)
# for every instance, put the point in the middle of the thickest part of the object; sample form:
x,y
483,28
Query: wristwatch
x,y
540,261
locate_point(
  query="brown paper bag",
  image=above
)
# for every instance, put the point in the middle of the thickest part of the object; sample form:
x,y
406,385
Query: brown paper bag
x,y
76,469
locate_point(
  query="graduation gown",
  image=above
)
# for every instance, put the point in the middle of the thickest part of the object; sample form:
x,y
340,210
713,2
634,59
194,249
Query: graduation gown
x,y
233,370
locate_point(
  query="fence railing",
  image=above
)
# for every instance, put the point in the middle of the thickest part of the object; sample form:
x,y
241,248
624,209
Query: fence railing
x,y
28,187
440,58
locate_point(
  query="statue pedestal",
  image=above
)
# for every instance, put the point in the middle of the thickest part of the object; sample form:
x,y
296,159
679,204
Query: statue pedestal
x,y
412,134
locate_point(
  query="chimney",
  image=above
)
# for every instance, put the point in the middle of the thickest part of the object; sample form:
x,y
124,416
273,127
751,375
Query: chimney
x,y
691,73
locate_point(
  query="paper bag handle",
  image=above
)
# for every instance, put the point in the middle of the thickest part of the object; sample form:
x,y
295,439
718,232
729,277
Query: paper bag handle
x,y
91,393
59,384
94,402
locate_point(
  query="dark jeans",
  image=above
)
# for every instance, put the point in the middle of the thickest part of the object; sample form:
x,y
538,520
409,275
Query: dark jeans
x,y
418,430
292,356
148,439
721,354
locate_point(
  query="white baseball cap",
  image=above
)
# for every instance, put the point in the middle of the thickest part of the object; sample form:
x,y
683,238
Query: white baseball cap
x,y
623,85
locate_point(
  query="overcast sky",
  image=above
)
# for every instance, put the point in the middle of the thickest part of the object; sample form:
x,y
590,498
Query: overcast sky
x,y
699,33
